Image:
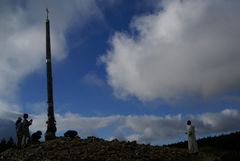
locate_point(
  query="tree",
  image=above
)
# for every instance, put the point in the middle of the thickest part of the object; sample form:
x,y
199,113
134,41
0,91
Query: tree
x,y
10,143
3,145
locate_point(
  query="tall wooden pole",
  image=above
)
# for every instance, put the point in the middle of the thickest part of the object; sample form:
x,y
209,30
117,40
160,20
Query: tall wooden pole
x,y
51,122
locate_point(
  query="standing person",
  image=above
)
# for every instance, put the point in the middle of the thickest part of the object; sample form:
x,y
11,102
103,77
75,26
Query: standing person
x,y
26,133
19,132
192,142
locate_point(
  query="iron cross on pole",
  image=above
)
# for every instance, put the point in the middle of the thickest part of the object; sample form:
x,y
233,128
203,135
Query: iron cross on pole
x,y
51,122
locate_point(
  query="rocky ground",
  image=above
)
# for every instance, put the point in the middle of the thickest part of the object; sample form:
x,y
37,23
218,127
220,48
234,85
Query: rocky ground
x,y
95,149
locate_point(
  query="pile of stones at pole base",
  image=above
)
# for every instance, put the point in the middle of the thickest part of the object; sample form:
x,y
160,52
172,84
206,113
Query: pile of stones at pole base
x,y
73,148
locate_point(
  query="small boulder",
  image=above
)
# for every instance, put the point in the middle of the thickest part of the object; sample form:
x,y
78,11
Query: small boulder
x,y
36,136
71,133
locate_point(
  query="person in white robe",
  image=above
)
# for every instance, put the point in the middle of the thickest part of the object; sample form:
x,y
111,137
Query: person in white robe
x,y
192,142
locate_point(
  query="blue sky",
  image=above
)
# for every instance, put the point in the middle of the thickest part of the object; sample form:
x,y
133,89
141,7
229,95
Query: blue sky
x,y
132,70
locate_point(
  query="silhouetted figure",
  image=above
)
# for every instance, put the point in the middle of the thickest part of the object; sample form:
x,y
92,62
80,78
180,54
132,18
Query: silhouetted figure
x,y
36,136
26,133
192,142
19,132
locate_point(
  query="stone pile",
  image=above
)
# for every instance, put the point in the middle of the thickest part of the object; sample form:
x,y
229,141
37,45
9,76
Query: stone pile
x,y
95,149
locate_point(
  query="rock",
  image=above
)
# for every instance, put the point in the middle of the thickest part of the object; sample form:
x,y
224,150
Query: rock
x,y
71,133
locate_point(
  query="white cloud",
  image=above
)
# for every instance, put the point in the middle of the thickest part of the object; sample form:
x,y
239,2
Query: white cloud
x,y
86,126
9,111
185,48
218,122
145,128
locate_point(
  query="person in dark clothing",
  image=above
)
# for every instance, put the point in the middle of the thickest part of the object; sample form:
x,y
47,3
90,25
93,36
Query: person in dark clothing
x,y
36,136
26,133
19,132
